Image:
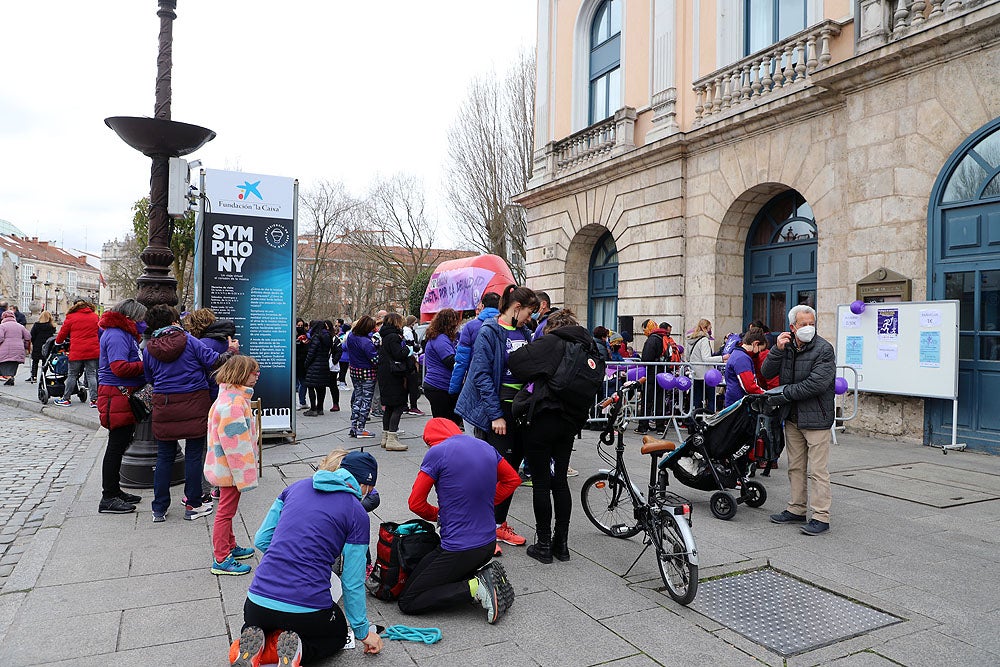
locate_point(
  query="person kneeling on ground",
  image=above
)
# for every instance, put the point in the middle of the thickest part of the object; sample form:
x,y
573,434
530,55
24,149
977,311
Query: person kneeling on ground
x,y
311,523
471,478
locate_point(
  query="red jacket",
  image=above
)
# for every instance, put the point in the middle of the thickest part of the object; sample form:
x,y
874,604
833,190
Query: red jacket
x,y
80,327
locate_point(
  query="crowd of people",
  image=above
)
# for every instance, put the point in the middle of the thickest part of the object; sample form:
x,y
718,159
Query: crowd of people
x,y
200,388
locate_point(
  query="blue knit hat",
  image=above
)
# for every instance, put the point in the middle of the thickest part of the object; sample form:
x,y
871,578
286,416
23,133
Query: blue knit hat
x,y
362,465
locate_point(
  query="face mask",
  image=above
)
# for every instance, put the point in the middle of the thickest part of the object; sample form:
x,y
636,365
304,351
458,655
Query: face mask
x,y
805,334
534,316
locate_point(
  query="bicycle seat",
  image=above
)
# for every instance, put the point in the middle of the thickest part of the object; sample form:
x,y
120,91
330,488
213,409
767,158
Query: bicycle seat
x,y
651,445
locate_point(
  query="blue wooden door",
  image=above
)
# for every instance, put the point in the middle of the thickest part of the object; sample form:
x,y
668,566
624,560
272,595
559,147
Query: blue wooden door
x,y
602,284
780,264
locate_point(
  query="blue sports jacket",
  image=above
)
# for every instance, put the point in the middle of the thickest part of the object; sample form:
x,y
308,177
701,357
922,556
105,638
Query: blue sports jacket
x,y
463,353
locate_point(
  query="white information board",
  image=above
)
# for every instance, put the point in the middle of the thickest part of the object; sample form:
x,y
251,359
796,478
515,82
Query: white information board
x,y
908,348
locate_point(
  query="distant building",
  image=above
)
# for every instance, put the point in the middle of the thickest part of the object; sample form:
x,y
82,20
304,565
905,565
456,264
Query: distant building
x,y
37,275
113,253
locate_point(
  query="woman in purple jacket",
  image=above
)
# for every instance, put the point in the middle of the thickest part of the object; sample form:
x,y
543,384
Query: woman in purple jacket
x,y
363,360
178,364
439,360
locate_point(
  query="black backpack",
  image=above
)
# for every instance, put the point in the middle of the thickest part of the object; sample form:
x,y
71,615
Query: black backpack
x,y
401,547
579,375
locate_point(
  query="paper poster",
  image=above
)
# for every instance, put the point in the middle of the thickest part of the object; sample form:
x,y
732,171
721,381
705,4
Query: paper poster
x,y
855,350
851,321
930,318
888,323
930,348
887,352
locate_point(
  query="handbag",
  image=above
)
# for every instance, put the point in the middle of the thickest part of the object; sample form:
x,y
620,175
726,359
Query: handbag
x,y
397,367
140,400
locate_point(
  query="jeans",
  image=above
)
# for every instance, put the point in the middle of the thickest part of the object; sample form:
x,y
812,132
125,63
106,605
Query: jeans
x,y
166,451
301,387
441,579
118,441
223,539
361,402
323,632
550,438
390,418
87,367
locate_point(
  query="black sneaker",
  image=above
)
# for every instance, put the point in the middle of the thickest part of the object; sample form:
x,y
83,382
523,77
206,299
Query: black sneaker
x,y
815,527
115,506
495,592
788,517
641,431
129,498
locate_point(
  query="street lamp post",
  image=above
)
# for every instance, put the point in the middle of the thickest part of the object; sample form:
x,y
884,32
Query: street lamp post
x,y
45,306
160,139
57,290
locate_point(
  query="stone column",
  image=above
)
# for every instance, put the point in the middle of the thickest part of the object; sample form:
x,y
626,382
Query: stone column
x,y
664,94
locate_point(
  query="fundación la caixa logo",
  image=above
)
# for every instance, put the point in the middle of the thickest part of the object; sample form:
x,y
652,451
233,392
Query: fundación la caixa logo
x,y
250,198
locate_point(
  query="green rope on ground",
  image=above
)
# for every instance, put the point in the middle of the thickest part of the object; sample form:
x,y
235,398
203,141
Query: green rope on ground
x,y
405,632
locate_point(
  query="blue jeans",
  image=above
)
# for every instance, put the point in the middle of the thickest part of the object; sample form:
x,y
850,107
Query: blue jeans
x,y
166,451
361,403
301,386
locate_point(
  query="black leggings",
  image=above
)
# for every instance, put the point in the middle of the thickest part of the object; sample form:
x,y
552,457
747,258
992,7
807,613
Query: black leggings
x,y
323,632
442,579
390,417
413,388
442,403
334,392
550,438
511,447
118,441
317,395
342,376
34,367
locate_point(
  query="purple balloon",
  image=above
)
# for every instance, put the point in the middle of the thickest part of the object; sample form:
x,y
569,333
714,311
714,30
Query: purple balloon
x,y
635,373
857,308
683,383
420,359
840,386
667,381
713,378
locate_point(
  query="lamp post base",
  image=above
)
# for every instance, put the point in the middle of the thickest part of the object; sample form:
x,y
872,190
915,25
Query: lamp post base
x,y
140,460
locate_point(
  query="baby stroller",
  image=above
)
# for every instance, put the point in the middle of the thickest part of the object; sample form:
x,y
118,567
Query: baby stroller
x,y
55,370
720,453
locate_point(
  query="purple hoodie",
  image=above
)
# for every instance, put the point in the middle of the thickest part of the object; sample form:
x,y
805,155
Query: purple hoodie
x,y
176,362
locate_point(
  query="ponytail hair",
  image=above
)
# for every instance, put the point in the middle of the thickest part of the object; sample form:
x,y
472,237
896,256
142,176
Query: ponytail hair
x,y
522,295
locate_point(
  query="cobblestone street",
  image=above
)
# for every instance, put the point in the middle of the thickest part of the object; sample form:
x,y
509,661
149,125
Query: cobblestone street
x,y
36,456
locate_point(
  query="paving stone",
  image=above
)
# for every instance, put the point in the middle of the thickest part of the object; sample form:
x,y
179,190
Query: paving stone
x,y
31,643
169,623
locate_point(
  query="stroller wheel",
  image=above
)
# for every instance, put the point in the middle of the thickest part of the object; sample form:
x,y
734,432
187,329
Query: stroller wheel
x,y
754,494
723,505
43,392
82,394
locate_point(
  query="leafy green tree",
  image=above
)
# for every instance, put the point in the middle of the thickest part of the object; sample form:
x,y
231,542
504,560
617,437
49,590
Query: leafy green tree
x,y
181,244
417,289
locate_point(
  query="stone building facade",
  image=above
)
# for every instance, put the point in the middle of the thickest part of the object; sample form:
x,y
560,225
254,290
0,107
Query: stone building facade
x,y
731,184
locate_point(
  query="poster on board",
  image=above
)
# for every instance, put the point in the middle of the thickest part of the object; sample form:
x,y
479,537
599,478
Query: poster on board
x,y
246,266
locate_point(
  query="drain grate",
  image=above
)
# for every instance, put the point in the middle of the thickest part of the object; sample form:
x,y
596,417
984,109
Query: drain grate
x,y
783,613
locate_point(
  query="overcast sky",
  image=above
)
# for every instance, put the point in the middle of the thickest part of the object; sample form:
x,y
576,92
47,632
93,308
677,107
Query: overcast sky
x,y
310,89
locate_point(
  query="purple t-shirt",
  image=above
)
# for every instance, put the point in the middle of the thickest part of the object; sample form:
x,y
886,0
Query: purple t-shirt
x,y
464,470
438,375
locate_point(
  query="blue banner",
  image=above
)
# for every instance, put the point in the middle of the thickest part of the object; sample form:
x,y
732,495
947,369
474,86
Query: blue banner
x,y
246,268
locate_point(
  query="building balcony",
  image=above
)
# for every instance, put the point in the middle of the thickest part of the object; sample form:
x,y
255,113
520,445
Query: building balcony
x,y
880,22
602,140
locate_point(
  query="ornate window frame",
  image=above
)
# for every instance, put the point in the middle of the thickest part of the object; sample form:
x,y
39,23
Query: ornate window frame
x,y
580,117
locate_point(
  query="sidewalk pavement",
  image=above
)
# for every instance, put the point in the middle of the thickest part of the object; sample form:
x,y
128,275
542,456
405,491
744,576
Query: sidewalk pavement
x,y
118,590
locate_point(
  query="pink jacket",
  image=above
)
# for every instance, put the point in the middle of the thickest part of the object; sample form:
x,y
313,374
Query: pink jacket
x,y
231,459
14,339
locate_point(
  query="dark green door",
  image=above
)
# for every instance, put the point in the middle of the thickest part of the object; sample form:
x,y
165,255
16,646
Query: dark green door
x,y
780,270
602,292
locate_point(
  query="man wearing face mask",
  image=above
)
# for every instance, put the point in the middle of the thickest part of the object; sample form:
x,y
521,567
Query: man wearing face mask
x,y
541,316
806,366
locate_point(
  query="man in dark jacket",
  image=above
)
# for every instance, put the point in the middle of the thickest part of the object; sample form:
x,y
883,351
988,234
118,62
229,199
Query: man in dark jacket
x,y
19,316
545,309
652,350
806,366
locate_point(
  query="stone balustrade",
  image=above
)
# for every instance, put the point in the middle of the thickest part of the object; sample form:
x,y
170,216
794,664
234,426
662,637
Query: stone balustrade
x,y
601,140
883,21
782,67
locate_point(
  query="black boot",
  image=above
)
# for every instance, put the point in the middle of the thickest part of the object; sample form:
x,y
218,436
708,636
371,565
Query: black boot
x,y
560,548
541,550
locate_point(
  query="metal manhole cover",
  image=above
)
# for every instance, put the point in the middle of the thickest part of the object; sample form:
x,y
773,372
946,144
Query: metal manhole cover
x,y
783,613
930,484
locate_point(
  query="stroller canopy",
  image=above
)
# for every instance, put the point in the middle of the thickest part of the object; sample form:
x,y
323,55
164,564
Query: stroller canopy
x,y
730,429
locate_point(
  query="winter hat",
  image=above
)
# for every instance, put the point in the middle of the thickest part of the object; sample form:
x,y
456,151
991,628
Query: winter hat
x,y
362,465
439,429
8,315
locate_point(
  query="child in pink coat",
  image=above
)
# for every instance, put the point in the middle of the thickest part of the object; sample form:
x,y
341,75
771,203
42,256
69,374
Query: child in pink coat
x,y
231,459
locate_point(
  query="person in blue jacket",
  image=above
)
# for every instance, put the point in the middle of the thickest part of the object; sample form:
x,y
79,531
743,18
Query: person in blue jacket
x,y
486,399
488,308
311,523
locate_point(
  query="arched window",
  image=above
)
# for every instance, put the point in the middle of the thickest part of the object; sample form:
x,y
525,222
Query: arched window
x,y
770,21
780,260
977,175
602,304
605,60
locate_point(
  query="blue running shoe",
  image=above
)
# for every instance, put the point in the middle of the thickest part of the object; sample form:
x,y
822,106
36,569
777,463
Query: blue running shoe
x,y
241,553
229,566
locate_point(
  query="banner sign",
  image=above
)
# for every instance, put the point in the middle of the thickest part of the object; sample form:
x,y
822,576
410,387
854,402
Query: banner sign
x,y
246,268
460,289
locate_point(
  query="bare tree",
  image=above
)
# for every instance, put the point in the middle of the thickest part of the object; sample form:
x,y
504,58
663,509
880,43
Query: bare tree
x,y
395,236
490,160
365,288
329,210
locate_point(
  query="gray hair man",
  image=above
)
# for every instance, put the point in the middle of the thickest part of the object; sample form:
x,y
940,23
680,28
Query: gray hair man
x,y
806,367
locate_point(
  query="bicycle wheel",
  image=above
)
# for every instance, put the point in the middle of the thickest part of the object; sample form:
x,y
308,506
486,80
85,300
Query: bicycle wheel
x,y
608,504
679,574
